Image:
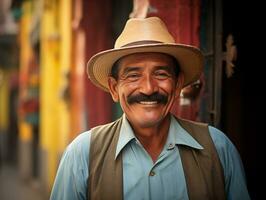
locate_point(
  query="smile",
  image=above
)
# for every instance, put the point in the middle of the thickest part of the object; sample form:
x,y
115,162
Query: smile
x,y
148,102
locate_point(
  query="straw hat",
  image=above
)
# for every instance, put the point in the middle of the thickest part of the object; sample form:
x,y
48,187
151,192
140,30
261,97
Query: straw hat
x,y
145,35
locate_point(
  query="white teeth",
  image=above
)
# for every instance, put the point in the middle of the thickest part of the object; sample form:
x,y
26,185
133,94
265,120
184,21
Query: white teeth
x,y
148,102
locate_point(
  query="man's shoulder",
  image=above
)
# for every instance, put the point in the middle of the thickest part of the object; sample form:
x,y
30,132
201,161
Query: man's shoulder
x,y
80,145
197,130
81,138
224,146
219,138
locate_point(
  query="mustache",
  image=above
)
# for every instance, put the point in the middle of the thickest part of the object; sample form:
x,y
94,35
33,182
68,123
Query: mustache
x,y
160,98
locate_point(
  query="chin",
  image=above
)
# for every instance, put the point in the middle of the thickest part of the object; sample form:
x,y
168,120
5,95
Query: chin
x,y
149,121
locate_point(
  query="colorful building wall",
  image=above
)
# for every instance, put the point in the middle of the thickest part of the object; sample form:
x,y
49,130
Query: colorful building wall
x,y
77,72
4,113
97,23
55,60
25,127
44,97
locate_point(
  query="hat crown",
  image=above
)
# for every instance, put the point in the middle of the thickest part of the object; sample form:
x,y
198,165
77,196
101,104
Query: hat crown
x,y
148,29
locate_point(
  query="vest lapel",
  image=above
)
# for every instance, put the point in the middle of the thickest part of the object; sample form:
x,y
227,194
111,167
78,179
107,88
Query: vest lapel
x,y
196,184
202,168
106,174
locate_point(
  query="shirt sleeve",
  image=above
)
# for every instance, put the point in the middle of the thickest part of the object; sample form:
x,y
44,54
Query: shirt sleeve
x,y
72,174
235,181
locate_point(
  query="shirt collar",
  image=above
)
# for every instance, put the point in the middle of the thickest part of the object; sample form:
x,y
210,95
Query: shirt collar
x,y
125,136
177,135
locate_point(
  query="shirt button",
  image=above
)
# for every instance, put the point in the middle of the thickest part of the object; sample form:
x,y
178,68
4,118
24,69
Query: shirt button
x,y
171,146
152,173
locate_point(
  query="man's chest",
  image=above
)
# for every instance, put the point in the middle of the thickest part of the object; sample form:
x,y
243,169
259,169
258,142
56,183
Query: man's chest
x,y
143,179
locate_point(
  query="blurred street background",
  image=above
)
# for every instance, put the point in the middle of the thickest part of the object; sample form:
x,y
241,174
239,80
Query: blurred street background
x,y
46,99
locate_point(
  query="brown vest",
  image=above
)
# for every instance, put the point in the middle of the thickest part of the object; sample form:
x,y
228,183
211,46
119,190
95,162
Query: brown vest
x,y
202,168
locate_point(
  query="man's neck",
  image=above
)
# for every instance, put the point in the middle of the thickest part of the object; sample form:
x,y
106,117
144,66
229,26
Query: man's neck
x,y
153,138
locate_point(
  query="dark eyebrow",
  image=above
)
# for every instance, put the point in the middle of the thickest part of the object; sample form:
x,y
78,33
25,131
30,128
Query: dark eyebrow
x,y
130,69
167,68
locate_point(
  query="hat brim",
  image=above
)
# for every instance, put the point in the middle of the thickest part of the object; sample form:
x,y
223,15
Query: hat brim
x,y
190,60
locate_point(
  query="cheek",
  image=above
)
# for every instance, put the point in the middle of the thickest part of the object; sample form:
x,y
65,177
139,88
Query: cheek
x,y
123,93
130,85
168,87
126,89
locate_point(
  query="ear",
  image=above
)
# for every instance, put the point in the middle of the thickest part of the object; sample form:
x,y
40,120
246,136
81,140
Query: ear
x,y
112,83
179,84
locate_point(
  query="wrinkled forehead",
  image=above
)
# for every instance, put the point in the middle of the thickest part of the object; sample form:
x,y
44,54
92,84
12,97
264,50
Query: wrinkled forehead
x,y
144,57
161,59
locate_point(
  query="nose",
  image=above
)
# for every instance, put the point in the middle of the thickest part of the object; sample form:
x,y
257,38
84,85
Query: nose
x,y
148,85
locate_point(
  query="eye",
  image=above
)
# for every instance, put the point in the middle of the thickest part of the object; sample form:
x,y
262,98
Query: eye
x,y
132,76
161,75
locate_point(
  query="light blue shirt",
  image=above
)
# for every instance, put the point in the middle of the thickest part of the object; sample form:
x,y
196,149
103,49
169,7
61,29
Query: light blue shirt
x,y
144,179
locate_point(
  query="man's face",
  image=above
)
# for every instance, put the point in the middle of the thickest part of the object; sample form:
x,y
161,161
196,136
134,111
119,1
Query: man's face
x,y
146,87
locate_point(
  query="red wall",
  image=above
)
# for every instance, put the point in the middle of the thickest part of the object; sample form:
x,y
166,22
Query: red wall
x,y
97,24
182,18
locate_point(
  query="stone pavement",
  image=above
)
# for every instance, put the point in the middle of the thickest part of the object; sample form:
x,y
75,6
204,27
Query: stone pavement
x,y
13,188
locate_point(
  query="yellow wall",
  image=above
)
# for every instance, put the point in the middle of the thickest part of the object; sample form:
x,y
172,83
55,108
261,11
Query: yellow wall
x,y
55,59
65,62
55,63
4,100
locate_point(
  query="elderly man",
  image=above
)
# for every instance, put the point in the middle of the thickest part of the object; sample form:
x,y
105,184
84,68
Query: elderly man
x,y
149,153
